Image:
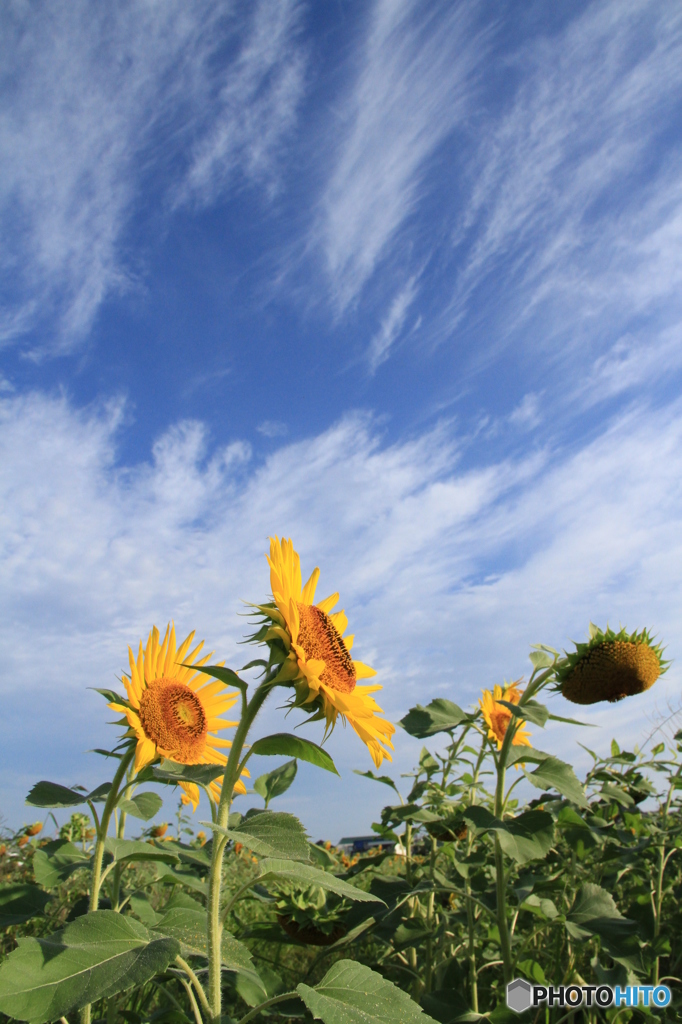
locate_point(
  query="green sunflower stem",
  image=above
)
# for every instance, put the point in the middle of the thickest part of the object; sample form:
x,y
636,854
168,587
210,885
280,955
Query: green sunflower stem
x,y
500,881
232,771
102,830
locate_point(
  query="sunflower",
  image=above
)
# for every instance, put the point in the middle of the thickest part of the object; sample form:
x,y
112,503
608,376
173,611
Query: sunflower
x,y
173,711
498,717
318,660
610,666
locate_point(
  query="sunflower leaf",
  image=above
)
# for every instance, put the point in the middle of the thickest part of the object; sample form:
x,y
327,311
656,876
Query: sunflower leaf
x,y
201,774
555,774
51,794
54,863
386,779
97,955
274,870
529,836
351,993
294,746
439,716
133,849
225,675
142,805
19,903
111,695
531,711
188,926
276,782
269,834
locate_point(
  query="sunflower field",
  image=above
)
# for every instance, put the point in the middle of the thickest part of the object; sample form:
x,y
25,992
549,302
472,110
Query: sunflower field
x,y
467,894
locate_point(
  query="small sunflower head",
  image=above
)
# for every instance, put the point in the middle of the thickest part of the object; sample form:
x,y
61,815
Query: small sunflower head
x,y
497,717
610,666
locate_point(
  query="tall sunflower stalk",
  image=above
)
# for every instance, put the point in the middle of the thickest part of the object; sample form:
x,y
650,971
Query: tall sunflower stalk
x,y
506,729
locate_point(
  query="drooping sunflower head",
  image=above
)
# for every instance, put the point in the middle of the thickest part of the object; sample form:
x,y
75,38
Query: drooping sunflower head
x,y
610,666
172,710
308,640
497,717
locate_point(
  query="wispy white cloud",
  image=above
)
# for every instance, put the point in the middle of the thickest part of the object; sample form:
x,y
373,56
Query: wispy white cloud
x,y
272,428
447,574
97,101
527,414
411,89
576,206
391,325
256,108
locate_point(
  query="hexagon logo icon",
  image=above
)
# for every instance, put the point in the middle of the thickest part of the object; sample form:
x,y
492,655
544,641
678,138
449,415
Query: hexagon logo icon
x,y
519,995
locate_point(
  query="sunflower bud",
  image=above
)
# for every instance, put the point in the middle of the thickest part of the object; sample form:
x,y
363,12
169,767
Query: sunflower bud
x,y
33,830
610,666
159,830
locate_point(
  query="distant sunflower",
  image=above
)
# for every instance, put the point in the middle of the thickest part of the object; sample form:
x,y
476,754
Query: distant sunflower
x,y
497,716
173,711
322,670
610,666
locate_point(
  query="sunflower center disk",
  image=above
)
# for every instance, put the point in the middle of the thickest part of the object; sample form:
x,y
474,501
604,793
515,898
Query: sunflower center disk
x,y
319,638
499,720
173,717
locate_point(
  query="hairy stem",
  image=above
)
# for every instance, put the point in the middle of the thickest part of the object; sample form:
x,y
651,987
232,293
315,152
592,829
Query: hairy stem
x,y
102,831
232,770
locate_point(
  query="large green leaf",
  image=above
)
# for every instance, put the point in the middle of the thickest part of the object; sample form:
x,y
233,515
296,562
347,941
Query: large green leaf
x,y
270,834
439,716
97,955
274,870
225,675
595,913
19,903
351,993
527,837
555,774
51,794
294,746
169,771
171,876
385,779
531,711
276,782
58,860
142,805
134,849
188,926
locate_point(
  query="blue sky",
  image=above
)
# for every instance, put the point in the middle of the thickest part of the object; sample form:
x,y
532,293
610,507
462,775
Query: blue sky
x,y
398,280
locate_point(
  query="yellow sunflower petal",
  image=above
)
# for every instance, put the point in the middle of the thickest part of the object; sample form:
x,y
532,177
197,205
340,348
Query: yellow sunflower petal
x,y
308,592
363,671
145,753
328,603
192,792
340,621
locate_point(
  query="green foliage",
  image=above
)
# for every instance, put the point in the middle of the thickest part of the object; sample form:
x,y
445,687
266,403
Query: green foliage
x,y
96,956
273,870
294,746
438,716
276,782
142,805
52,794
270,834
19,903
351,993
